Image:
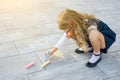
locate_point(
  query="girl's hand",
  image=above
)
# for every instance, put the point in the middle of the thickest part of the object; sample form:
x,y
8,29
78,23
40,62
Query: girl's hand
x,y
47,55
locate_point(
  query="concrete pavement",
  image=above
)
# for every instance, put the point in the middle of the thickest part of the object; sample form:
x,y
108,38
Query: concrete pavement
x,y
28,28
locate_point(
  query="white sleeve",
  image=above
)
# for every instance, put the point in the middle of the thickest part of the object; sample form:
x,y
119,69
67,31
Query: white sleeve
x,y
61,41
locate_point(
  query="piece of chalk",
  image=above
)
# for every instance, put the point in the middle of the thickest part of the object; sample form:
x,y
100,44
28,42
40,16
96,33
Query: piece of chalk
x,y
29,65
45,64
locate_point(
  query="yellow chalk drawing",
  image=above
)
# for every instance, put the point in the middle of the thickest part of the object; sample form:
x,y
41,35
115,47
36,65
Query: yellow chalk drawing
x,y
58,53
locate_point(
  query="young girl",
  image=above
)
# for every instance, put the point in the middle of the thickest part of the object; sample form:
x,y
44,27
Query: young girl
x,y
90,34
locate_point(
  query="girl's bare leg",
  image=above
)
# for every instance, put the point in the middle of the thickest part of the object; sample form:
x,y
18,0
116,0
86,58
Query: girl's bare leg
x,y
97,40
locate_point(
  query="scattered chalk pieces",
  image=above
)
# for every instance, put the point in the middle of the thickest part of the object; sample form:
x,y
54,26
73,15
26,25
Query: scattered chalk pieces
x,y
29,65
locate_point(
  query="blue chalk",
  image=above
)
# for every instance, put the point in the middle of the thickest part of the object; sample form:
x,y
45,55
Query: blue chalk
x,y
47,55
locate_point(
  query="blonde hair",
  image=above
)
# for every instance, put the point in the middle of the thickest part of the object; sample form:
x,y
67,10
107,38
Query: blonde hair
x,y
80,26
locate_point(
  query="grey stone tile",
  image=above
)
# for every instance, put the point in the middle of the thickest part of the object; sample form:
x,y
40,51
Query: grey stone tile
x,y
13,77
74,71
78,57
7,49
110,64
21,23
13,68
118,53
112,23
115,46
40,30
38,43
115,27
56,61
10,35
114,78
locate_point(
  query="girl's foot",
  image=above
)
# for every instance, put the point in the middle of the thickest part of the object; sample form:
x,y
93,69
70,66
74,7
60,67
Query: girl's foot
x,y
94,60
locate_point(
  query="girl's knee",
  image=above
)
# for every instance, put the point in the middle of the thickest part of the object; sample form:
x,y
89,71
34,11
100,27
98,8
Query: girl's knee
x,y
94,35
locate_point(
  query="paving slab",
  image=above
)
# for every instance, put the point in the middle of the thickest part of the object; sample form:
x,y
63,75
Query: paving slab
x,y
114,78
8,49
28,15
111,21
39,43
74,71
116,46
13,68
78,57
118,52
110,64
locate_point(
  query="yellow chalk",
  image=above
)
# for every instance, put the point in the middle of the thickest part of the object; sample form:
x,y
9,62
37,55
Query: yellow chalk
x,y
45,64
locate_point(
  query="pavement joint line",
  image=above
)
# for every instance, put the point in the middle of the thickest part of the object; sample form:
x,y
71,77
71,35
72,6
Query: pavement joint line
x,y
9,56
16,47
115,75
17,55
114,51
74,59
118,54
112,76
40,60
106,78
36,71
103,71
28,77
38,57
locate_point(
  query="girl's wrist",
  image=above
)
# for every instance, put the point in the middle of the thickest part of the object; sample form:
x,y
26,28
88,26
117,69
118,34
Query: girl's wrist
x,y
53,50
50,52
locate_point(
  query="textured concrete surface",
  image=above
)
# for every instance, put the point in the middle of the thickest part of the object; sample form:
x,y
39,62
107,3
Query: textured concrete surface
x,y
28,28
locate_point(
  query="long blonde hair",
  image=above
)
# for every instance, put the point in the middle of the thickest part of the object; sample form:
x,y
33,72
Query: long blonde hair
x,y
68,16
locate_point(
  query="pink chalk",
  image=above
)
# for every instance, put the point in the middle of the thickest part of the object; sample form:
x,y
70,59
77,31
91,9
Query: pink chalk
x,y
29,65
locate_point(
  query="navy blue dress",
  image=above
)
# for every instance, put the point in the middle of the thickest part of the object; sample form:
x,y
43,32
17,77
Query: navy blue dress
x,y
109,35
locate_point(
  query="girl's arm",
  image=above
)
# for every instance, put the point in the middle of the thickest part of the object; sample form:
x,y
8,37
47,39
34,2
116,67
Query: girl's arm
x,y
53,50
60,43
